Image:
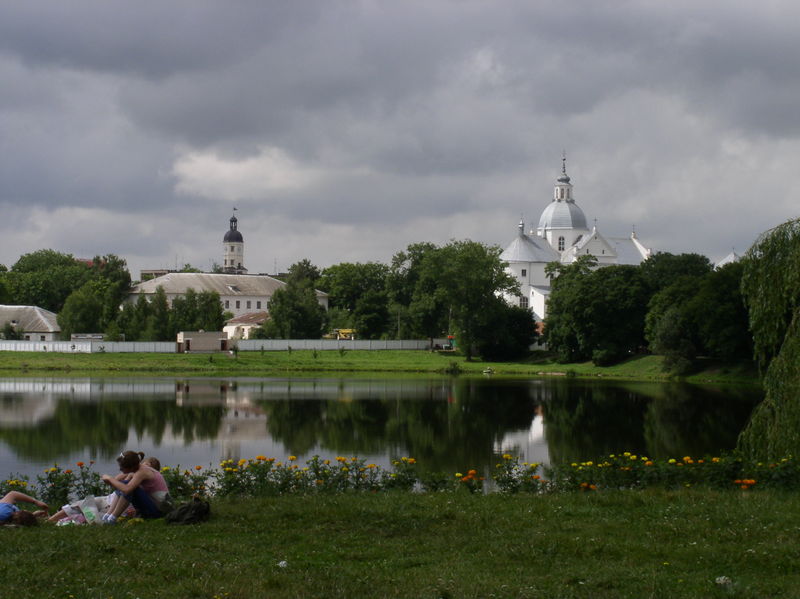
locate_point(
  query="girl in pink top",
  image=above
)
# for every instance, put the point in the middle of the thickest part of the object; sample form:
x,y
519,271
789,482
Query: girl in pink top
x,y
146,489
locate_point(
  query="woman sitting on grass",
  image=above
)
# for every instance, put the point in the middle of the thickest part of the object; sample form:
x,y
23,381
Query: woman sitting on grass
x,y
145,489
105,504
11,514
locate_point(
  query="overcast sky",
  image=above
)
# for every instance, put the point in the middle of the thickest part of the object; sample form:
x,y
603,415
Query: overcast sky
x,y
346,130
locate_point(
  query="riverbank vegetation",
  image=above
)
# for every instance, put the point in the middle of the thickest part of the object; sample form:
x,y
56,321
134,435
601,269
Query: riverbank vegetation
x,y
263,476
656,543
310,362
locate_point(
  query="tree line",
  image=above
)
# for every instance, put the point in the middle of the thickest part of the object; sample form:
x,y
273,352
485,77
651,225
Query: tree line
x,y
677,306
427,291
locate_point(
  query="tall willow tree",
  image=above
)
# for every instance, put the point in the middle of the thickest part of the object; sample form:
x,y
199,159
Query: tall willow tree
x,y
771,290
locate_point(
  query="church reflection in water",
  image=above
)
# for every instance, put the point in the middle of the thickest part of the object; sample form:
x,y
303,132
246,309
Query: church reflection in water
x,y
447,424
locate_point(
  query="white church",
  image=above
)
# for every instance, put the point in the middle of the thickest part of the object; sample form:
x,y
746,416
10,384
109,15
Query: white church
x,y
562,236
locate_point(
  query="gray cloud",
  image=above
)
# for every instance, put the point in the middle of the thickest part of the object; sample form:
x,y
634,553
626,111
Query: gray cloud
x,y
389,120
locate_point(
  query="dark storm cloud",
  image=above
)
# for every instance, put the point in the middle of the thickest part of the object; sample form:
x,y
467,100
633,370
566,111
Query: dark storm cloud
x,y
391,112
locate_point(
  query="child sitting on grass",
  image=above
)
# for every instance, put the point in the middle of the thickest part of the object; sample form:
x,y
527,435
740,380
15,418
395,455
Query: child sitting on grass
x,y
11,514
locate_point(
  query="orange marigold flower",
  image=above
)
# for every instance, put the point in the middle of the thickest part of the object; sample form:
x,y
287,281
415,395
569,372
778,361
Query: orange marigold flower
x,y
648,463
198,467
472,472
80,464
67,471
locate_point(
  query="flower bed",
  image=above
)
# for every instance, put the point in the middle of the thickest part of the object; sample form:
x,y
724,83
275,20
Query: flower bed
x,y
263,476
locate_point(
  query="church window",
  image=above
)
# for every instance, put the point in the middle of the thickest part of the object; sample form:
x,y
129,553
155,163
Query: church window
x,y
523,302
524,273
560,244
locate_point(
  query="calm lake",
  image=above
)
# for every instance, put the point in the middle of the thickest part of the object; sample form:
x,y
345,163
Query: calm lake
x,y
447,424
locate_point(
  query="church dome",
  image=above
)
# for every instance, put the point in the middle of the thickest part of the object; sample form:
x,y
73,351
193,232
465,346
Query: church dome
x,y
233,235
562,215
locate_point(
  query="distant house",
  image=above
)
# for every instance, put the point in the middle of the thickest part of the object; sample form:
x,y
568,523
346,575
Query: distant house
x,y
240,327
36,324
239,294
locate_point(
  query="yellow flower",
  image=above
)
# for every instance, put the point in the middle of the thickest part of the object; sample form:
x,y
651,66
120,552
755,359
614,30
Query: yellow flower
x,y
261,458
292,458
412,461
459,475
326,462
345,469
506,456
672,460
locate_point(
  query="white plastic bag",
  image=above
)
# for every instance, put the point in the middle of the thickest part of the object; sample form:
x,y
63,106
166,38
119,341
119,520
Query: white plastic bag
x,y
90,511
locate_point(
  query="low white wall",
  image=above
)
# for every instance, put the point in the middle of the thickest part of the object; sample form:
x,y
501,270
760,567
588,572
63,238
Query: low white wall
x,y
90,347
329,344
169,347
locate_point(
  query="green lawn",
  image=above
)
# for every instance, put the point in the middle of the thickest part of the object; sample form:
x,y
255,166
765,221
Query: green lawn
x,y
596,545
306,361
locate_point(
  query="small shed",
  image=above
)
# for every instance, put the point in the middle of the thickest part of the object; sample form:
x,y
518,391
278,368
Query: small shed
x,y
202,341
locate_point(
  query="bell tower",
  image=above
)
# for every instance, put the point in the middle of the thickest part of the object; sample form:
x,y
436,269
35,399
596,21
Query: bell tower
x,y
233,249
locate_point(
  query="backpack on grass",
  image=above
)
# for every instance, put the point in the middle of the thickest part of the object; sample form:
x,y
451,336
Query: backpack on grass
x,y
191,512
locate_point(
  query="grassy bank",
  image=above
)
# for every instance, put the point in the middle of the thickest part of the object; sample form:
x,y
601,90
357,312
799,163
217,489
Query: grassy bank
x,y
687,543
306,361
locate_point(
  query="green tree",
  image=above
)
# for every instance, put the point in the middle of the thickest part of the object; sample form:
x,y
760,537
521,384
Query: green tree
x,y
371,315
85,310
209,312
670,327
720,315
565,308
508,332
157,325
662,269
347,282
360,289
45,278
304,270
467,276
597,314
419,311
771,291
11,333
295,312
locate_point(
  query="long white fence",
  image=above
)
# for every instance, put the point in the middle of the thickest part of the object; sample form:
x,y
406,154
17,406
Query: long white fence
x,y
91,347
328,344
168,347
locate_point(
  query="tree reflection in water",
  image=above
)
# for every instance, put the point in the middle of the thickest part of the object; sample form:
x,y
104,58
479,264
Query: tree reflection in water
x,y
588,420
447,424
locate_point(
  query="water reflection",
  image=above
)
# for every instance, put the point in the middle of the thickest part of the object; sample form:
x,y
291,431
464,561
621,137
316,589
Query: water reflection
x,y
447,424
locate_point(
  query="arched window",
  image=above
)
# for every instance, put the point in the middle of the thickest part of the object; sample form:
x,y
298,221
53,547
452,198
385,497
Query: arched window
x,y
560,244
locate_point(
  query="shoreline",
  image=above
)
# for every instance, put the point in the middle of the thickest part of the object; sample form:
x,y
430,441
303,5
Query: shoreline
x,y
646,368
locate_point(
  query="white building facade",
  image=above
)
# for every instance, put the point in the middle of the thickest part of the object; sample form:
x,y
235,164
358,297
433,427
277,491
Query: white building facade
x,y
239,294
561,236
